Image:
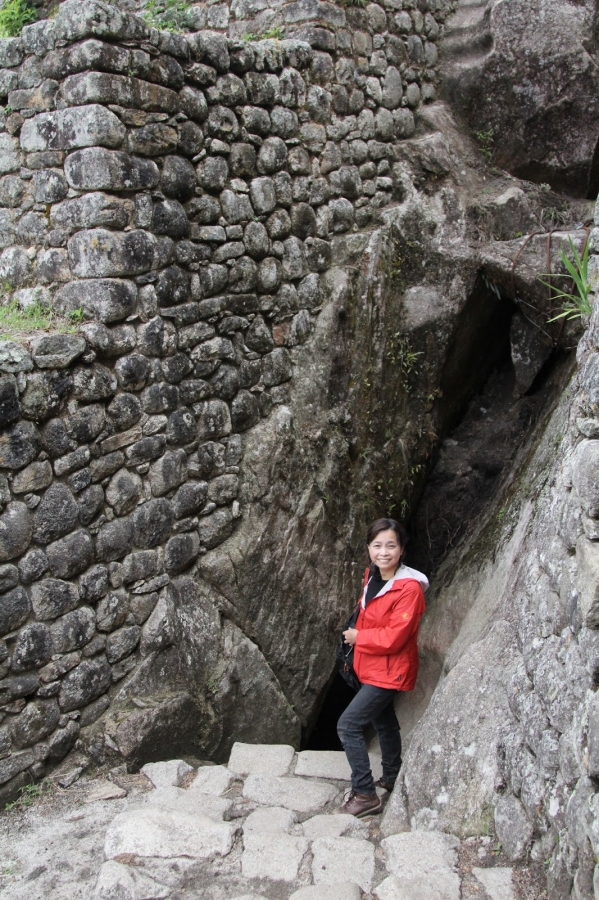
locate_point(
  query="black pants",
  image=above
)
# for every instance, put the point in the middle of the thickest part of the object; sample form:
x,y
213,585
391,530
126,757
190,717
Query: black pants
x,y
371,705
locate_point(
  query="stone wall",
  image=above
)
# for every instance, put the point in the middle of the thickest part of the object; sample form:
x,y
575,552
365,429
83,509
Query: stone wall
x,y
181,194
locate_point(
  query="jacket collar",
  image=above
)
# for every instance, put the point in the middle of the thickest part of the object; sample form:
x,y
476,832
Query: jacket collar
x,y
402,574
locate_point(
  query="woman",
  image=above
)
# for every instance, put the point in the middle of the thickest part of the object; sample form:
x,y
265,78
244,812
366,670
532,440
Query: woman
x,y
385,662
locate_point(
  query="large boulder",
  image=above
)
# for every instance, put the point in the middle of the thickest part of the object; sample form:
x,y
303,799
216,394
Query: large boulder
x,y
523,75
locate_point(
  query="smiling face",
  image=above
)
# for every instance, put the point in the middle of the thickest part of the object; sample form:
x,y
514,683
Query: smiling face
x,y
385,552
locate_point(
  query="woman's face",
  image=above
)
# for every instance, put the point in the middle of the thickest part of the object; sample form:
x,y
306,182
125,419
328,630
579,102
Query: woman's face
x,y
385,552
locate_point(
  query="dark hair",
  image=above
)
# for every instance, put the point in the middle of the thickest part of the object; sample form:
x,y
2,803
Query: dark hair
x,y
388,525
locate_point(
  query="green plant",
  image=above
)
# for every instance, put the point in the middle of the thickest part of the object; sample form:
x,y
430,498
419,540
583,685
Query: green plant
x,y
29,793
168,15
15,321
486,139
13,16
400,353
275,33
577,304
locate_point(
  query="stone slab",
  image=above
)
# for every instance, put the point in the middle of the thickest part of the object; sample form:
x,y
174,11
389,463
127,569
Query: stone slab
x,y
261,759
424,887
271,820
157,832
118,881
274,856
106,791
419,853
215,780
194,802
336,860
331,764
300,794
497,882
334,826
344,891
167,774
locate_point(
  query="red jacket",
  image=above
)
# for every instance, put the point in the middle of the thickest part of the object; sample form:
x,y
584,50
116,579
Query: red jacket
x,y
386,651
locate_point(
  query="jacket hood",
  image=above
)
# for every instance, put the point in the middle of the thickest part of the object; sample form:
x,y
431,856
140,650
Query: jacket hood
x,y
407,572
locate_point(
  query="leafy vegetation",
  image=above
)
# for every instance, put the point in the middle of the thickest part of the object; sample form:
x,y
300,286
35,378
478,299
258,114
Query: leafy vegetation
x,y
29,793
167,15
486,140
17,321
577,303
14,15
275,33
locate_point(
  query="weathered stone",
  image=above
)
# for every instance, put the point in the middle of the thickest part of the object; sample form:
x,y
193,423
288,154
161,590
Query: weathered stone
x,y
71,555
86,424
37,721
76,20
106,300
62,741
52,597
122,643
294,260
276,367
14,609
45,394
98,253
124,491
97,169
167,774
214,419
272,156
94,383
178,178
57,351
67,129
112,611
152,523
19,445
514,829
292,793
338,859
215,528
85,683
132,373
15,763
180,552
172,287
56,515
404,859
146,449
263,195
114,540
274,856
189,499
165,833
14,358
168,472
340,891
91,210
236,208
74,630
9,578
32,566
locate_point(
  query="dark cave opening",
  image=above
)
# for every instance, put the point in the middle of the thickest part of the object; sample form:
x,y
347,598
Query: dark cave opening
x,y
324,733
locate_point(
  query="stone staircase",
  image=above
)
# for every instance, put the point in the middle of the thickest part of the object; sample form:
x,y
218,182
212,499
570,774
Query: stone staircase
x,y
262,828
467,41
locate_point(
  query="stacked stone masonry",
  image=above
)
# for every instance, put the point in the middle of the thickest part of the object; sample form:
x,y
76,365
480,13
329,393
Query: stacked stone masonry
x,y
183,194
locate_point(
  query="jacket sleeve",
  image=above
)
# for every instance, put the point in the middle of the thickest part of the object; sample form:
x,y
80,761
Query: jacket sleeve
x,y
403,623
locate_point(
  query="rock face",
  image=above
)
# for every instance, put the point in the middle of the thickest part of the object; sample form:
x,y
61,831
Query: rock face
x,y
522,75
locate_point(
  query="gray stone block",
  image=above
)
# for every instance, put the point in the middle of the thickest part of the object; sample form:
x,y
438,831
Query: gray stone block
x,y
97,169
68,129
166,834
297,794
338,859
83,684
98,253
277,857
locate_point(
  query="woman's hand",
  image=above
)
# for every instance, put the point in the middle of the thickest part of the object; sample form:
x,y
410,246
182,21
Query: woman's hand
x,y
351,636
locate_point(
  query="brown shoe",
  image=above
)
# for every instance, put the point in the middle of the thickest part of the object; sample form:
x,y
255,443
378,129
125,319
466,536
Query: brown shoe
x,y
385,785
360,805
